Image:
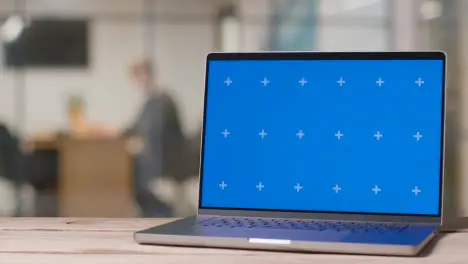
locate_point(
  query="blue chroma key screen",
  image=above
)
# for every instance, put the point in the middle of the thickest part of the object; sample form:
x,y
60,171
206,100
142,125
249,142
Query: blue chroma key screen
x,y
359,136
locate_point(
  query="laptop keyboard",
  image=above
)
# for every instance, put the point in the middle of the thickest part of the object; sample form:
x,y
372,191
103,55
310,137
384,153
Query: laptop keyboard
x,y
315,225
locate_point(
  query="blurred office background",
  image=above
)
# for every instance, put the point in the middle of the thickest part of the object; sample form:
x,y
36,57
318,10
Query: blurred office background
x,y
69,90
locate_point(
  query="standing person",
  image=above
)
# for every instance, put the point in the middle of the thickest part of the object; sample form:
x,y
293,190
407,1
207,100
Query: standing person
x,y
158,127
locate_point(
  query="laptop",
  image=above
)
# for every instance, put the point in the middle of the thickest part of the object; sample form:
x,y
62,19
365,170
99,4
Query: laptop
x,y
318,152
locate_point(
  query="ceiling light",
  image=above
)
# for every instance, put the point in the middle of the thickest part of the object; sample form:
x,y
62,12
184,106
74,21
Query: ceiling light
x,y
11,28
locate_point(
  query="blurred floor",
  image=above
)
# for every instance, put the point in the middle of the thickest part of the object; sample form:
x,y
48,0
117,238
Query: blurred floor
x,y
183,198
8,202
7,198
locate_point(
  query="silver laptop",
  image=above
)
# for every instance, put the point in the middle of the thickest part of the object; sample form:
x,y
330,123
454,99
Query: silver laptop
x,y
318,152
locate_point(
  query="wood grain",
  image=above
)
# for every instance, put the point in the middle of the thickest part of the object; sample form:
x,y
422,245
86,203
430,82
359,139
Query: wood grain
x,y
70,240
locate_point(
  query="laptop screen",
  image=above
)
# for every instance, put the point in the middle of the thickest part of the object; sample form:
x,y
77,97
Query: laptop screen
x,y
318,132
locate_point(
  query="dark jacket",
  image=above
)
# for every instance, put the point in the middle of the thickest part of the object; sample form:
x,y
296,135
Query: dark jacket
x,y
158,125
9,154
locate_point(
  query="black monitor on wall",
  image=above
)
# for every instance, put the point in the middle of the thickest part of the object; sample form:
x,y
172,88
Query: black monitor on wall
x,y
50,43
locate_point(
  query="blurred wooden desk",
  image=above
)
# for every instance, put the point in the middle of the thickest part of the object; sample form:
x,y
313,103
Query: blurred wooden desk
x,y
62,240
94,176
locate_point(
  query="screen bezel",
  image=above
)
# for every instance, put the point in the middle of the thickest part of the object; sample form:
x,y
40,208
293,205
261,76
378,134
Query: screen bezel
x,y
356,216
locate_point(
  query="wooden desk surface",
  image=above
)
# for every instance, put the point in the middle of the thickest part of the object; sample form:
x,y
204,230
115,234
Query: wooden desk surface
x,y
69,241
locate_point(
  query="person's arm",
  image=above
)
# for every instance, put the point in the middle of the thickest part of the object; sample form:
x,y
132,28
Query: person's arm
x,y
172,118
132,129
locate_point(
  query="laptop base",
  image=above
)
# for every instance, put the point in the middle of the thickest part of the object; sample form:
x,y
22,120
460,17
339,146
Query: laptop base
x,y
186,232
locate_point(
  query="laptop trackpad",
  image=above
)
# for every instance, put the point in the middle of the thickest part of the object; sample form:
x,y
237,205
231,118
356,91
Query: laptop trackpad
x,y
281,234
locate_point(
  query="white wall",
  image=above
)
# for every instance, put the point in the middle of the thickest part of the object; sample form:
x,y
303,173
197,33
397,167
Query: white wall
x,y
180,48
342,24
352,25
254,28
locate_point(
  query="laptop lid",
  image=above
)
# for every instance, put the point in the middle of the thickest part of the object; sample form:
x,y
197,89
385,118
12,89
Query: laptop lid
x,y
324,135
